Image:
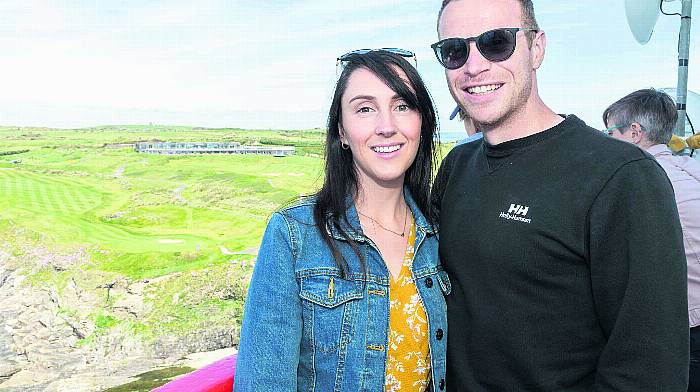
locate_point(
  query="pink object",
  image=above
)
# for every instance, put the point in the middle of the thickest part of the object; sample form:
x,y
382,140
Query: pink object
x,y
684,173
217,377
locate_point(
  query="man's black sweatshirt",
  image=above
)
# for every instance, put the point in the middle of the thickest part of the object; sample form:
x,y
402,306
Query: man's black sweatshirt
x,y
565,254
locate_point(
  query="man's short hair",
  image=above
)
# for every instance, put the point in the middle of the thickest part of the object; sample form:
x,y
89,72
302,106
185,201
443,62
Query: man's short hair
x,y
654,110
528,16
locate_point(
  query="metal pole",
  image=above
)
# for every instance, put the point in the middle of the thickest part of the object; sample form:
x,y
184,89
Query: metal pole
x,y
683,54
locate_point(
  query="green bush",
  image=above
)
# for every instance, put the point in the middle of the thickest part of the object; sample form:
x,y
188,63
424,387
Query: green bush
x,y
3,153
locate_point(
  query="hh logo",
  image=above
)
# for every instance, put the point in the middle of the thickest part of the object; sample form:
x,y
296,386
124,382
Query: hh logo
x,y
517,209
516,212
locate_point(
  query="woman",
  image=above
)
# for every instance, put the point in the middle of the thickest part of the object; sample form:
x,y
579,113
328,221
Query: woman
x,y
347,293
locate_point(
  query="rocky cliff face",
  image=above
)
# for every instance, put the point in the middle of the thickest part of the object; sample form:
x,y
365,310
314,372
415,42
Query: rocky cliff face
x,y
11,361
49,340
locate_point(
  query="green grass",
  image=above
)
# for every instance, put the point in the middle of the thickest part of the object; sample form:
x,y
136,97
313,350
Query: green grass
x,y
102,321
151,380
73,193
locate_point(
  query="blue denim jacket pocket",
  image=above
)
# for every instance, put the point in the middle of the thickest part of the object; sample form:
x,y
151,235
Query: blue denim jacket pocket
x,y
330,309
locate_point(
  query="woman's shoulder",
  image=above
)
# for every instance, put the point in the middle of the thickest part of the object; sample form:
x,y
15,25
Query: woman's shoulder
x,y
299,210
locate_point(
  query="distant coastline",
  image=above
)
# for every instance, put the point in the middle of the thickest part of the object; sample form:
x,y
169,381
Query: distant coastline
x,y
452,136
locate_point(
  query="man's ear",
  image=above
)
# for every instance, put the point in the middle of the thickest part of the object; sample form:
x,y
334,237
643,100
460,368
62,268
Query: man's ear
x,y
637,134
537,49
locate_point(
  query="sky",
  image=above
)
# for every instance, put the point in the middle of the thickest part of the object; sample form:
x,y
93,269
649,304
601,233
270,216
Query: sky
x,y
263,64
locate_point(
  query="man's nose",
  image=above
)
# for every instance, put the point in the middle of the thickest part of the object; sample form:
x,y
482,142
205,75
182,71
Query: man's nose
x,y
476,62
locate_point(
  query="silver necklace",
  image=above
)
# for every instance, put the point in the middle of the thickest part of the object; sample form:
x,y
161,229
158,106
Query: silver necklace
x,y
403,231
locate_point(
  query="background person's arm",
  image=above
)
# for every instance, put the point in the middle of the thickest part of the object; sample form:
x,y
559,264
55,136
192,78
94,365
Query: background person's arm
x,y
639,282
268,355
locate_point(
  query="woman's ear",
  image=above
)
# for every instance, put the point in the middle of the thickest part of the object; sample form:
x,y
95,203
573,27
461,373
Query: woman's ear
x,y
341,133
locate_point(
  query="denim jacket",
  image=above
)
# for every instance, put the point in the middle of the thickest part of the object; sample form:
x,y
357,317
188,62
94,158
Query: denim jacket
x,y
307,329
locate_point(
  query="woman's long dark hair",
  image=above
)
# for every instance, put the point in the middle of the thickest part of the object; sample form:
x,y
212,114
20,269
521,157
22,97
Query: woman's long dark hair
x,y
340,174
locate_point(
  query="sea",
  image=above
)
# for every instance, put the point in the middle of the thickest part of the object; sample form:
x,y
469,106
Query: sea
x,y
452,136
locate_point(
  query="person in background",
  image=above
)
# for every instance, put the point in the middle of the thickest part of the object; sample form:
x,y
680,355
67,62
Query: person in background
x,y
646,118
348,293
550,231
473,134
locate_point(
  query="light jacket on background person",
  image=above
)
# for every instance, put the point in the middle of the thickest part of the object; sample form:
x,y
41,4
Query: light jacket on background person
x,y
307,329
684,173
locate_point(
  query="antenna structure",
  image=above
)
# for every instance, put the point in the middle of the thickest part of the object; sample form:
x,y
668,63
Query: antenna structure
x,y
641,18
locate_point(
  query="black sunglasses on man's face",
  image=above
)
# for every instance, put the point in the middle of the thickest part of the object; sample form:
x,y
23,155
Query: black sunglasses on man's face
x,y
495,45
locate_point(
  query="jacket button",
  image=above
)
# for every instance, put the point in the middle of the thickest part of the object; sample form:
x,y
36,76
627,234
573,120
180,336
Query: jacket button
x,y
439,334
428,282
441,384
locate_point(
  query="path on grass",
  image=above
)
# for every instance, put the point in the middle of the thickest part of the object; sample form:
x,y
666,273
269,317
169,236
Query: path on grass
x,y
224,251
119,173
178,196
251,251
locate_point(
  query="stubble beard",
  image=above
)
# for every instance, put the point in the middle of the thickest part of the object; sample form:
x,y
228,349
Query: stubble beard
x,y
510,109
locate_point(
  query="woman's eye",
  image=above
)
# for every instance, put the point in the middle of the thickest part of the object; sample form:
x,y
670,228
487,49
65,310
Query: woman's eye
x,y
364,109
402,107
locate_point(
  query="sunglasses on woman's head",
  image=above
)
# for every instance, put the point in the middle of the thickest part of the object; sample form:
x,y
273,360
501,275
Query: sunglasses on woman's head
x,y
495,45
396,51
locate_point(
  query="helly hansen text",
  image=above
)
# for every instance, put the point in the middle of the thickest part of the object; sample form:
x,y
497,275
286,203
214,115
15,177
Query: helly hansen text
x,y
514,211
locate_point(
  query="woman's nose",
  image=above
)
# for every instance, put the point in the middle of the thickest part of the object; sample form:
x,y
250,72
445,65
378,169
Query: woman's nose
x,y
386,125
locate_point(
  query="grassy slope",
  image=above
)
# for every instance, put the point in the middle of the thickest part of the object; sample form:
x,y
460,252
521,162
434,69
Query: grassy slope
x,y
70,192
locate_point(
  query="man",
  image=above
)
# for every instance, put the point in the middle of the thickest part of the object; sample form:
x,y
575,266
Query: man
x,y
646,118
550,230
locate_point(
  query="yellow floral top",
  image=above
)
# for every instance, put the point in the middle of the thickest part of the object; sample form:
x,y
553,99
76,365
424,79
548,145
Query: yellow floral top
x,y
408,361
